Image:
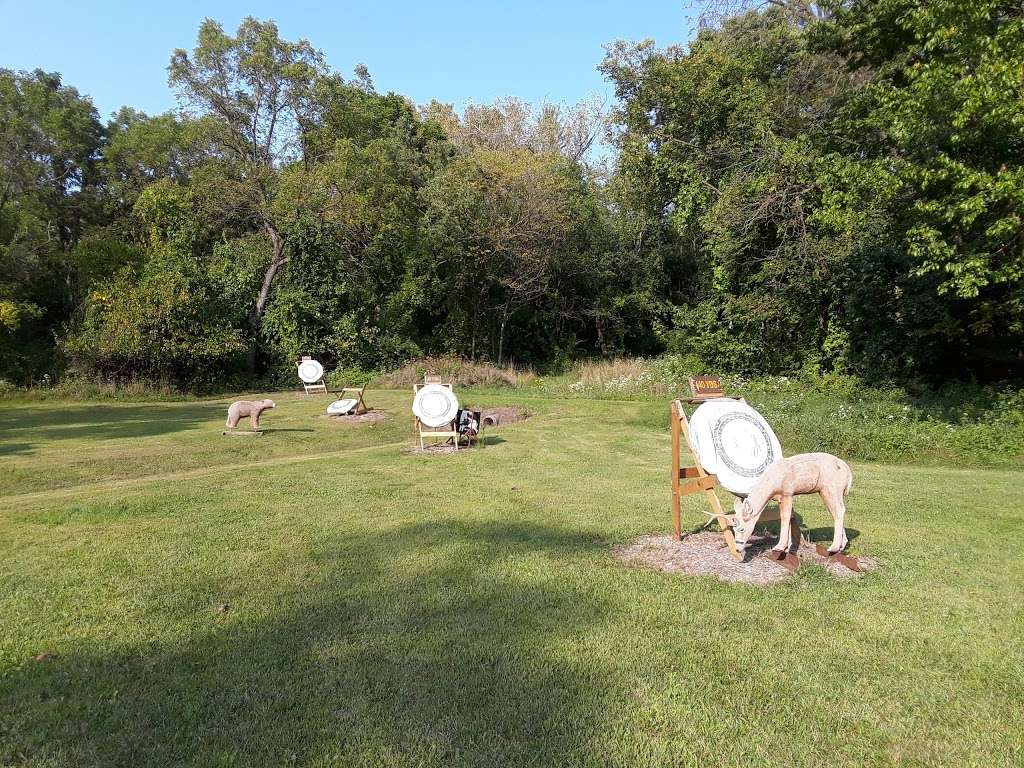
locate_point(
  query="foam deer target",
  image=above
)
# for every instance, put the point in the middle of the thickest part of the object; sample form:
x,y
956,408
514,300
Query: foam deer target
x,y
822,473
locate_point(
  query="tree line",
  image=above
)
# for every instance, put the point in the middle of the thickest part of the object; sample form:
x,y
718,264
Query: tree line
x,y
834,186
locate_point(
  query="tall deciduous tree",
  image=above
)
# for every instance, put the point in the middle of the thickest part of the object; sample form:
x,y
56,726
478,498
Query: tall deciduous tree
x,y
512,124
141,150
257,90
50,139
722,153
504,218
943,111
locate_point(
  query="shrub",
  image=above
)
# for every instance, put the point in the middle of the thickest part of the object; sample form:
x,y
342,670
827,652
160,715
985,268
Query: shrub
x,y
168,325
348,376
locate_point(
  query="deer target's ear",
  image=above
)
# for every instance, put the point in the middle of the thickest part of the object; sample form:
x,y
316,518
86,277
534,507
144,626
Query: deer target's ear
x,y
737,508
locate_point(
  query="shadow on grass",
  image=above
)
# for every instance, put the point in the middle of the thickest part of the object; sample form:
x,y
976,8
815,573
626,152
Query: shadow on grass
x,y
458,660
818,535
106,422
10,449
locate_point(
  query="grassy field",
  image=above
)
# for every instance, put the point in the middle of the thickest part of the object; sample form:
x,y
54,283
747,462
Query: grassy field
x,y
317,597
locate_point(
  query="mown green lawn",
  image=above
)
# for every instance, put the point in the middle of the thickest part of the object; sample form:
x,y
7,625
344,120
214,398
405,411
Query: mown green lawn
x,y
317,597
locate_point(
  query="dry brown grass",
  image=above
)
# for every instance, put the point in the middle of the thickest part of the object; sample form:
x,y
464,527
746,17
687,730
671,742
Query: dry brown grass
x,y
464,373
75,388
601,373
625,376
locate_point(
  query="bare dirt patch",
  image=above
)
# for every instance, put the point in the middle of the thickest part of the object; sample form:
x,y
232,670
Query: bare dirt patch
x,y
705,554
358,418
503,414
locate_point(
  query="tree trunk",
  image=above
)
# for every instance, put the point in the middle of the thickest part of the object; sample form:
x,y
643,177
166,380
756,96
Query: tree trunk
x,y
278,259
478,301
501,334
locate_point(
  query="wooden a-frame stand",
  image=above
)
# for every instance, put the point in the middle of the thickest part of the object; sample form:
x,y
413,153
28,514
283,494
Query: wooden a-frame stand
x,y
317,386
449,436
356,393
693,479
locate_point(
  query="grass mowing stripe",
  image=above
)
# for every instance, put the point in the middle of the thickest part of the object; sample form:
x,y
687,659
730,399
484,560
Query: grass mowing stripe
x,y
190,474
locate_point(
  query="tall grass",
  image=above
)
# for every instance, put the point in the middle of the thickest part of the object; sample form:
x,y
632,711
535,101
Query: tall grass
x,y
959,423
463,373
94,389
625,374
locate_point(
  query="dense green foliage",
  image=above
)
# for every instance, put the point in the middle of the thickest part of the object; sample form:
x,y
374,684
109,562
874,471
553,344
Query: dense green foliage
x,y
833,191
845,193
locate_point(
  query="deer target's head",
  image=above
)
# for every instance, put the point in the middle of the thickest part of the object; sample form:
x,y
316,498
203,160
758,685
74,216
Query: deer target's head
x,y
743,523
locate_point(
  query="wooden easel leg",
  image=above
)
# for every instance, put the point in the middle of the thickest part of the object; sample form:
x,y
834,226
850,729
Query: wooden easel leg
x,y
723,525
677,527
695,476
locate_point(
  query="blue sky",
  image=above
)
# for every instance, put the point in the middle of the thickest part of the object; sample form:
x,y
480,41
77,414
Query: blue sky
x,y
456,52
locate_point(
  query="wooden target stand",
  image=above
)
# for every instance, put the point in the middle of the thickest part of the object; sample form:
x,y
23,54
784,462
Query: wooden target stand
x,y
449,436
356,393
693,479
317,386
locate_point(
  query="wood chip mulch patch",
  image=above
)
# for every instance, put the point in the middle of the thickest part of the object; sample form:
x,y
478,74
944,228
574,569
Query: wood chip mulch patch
x,y
705,554
360,418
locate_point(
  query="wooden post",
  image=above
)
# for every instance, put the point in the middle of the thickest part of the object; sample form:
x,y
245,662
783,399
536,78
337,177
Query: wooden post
x,y
677,526
450,435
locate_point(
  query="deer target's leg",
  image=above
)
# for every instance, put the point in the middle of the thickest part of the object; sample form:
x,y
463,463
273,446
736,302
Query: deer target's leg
x,y
254,419
837,506
785,516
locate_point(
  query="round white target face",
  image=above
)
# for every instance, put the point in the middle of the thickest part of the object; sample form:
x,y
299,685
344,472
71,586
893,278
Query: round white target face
x,y
310,371
734,443
434,405
340,407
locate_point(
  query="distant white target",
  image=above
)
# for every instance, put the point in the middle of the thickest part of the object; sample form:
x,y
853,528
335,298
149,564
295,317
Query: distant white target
x,y
310,371
435,405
